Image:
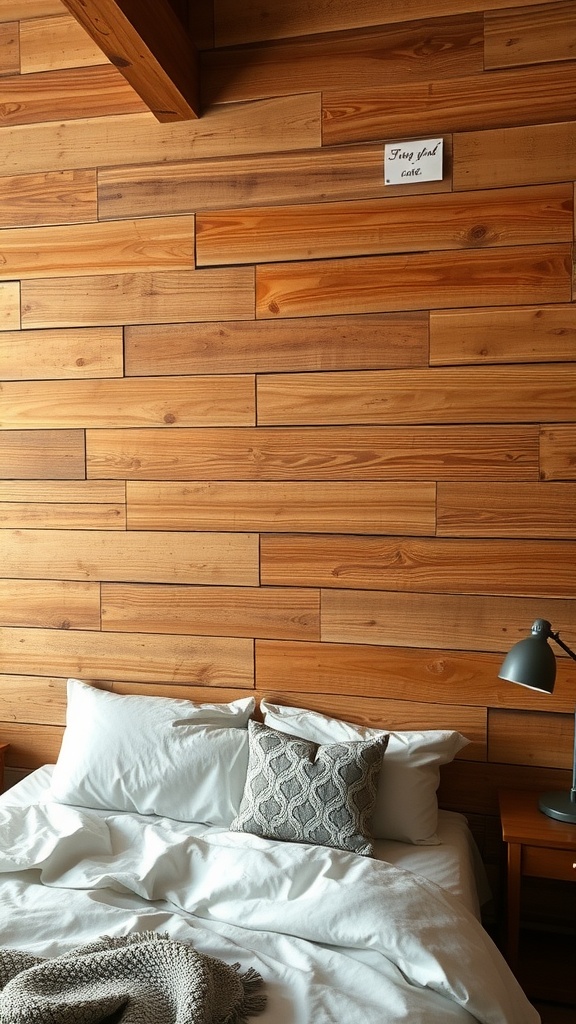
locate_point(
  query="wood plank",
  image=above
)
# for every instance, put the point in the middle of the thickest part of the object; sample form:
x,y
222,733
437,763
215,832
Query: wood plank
x,y
519,334
265,126
444,395
531,738
106,300
558,452
57,42
518,155
307,670
281,613
495,99
217,559
58,197
114,247
518,568
375,284
19,10
419,50
464,622
530,35
313,175
95,491
56,604
9,49
310,343
61,354
474,786
68,94
36,454
506,510
31,746
214,661
61,516
302,507
314,453
33,700
129,402
9,305
152,48
264,19
471,220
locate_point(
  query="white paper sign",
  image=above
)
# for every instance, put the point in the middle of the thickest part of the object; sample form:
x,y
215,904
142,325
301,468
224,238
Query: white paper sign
x,y
416,160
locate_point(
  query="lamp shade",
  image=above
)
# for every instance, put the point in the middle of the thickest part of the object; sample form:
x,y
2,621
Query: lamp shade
x,y
531,661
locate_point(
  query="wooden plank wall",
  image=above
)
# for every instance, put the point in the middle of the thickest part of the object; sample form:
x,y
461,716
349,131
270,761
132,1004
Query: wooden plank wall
x,y
267,423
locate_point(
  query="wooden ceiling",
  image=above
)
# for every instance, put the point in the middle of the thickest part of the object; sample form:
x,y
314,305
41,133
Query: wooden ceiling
x,y
151,46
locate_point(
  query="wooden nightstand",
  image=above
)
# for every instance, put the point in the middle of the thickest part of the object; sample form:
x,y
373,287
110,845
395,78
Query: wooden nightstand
x,y
537,845
3,749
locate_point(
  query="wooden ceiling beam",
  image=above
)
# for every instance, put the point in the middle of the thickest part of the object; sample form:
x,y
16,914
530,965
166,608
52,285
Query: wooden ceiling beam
x,y
151,47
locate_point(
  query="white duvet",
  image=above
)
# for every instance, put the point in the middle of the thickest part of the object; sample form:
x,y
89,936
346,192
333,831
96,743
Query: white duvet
x,y
338,938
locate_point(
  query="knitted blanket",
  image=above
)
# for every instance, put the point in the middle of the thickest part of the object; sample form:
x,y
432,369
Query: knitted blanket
x,y
138,979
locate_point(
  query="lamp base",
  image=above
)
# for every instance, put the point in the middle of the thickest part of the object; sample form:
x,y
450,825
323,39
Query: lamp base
x,y
558,805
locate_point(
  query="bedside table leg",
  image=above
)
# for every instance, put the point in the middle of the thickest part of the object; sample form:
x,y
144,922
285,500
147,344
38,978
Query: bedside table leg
x,y
513,910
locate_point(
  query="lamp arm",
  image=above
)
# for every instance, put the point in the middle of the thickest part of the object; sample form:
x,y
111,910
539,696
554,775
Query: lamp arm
x,y
556,637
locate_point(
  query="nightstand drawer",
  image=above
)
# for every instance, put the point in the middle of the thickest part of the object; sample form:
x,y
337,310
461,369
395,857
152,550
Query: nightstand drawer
x,y
546,863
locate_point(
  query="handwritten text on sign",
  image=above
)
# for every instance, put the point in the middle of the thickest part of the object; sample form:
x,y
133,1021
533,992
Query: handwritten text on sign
x,y
417,160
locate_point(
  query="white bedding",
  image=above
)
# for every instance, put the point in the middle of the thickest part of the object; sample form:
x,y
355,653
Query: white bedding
x,y
337,937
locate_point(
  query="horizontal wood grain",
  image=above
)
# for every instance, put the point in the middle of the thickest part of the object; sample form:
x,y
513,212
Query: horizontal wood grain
x,y
214,661
55,604
9,49
475,785
61,516
60,354
102,492
128,402
68,94
373,284
471,220
56,42
470,509
518,568
9,305
32,700
558,452
16,10
464,622
530,35
531,738
444,395
110,299
156,243
518,334
302,507
37,454
281,613
55,197
314,453
31,746
516,155
114,556
498,99
308,343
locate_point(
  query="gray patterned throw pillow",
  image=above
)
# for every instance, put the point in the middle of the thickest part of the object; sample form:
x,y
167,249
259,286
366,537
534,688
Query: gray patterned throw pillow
x,y
300,792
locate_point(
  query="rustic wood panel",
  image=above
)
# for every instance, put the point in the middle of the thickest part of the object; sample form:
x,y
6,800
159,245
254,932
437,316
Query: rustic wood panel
x,y
462,622
31,745
418,50
281,613
9,49
374,284
519,334
314,453
218,559
69,94
57,42
531,738
311,506
60,354
537,568
404,674
17,10
57,197
210,661
109,299
515,156
530,35
37,454
471,220
451,394
94,491
475,784
56,604
504,510
265,126
498,99
9,305
35,700
313,175
309,343
153,401
558,452
61,516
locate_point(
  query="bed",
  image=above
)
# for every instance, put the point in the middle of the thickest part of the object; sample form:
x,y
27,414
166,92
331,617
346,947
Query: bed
x,y
173,828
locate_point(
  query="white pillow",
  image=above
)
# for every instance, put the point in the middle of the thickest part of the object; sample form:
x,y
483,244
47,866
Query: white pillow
x,y
153,755
406,803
